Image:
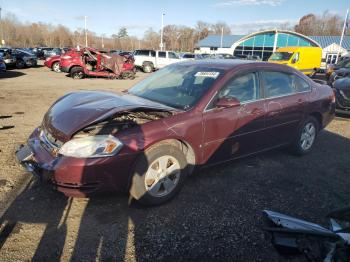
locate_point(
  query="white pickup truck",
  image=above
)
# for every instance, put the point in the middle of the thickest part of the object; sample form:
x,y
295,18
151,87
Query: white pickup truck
x,y
150,60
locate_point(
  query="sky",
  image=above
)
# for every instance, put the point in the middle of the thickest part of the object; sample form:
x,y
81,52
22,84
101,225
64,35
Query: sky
x,y
106,17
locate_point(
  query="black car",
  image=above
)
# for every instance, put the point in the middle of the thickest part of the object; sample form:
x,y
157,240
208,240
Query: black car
x,y
53,52
40,52
344,62
342,90
24,58
341,70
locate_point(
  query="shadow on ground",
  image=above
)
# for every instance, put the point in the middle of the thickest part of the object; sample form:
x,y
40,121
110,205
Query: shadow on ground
x,y
11,74
216,217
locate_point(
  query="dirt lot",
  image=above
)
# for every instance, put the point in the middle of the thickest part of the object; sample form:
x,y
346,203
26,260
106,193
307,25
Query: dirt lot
x,y
217,215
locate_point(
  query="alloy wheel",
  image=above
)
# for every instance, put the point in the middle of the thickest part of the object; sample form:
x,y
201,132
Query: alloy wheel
x,y
56,67
162,176
308,136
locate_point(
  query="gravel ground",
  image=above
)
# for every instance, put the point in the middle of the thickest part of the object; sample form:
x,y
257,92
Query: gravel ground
x,y
216,217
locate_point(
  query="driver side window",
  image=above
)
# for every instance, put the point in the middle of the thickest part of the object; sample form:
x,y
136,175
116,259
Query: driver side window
x,y
245,88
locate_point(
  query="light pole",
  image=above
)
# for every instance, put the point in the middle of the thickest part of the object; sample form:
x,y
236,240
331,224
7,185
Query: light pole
x,y
161,34
86,40
102,44
2,41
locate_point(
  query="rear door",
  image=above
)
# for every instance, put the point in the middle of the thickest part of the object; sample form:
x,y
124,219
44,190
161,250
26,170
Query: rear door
x,y
233,132
285,107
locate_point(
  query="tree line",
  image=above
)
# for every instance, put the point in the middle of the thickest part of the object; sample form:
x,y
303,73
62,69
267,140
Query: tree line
x,y
175,37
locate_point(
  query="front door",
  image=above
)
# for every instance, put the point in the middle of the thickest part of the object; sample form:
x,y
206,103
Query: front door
x,y
233,132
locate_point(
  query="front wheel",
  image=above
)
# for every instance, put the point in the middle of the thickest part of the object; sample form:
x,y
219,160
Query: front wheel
x,y
77,73
159,174
20,64
56,67
306,136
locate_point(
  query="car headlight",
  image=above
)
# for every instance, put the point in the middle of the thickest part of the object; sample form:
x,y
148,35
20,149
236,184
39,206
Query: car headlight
x,y
91,146
66,57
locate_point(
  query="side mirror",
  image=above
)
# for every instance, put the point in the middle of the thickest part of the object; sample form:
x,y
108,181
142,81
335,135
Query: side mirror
x,y
226,102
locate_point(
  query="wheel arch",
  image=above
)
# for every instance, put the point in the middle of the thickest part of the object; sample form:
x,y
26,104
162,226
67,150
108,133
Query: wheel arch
x,y
318,117
74,66
184,146
52,63
147,62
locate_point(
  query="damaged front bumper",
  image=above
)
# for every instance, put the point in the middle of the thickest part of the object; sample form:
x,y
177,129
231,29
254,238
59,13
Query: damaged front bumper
x,y
76,177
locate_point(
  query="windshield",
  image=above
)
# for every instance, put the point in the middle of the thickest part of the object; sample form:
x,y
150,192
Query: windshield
x,y
281,56
178,86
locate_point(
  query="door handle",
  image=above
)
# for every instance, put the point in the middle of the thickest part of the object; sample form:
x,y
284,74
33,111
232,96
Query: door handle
x,y
274,113
257,111
301,101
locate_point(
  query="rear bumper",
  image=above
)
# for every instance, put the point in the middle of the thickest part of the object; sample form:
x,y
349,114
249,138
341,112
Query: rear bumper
x,y
77,177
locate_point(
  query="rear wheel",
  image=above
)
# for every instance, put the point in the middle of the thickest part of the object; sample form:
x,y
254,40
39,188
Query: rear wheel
x,y
159,174
306,136
147,67
56,67
77,73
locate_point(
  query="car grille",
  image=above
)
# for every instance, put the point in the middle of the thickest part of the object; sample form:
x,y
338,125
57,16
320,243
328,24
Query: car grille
x,y
343,98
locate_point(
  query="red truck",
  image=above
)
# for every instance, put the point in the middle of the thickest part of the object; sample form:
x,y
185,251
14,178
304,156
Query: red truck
x,y
90,62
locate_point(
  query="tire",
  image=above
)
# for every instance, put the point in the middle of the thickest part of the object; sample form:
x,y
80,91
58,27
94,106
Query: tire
x,y
20,64
151,187
306,137
77,72
147,67
56,67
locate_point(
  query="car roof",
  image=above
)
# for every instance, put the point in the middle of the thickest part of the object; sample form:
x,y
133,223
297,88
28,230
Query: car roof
x,y
230,64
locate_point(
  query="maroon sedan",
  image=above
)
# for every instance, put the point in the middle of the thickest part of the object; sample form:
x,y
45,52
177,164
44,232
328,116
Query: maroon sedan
x,y
185,116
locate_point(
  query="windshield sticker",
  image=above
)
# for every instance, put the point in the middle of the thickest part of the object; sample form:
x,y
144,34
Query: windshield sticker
x,y
207,74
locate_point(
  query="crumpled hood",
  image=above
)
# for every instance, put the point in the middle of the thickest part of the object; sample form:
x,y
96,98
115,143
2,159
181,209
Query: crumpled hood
x,y
77,110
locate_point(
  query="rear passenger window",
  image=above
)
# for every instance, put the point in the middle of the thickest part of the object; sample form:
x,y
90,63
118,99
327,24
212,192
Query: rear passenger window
x,y
153,53
278,84
244,88
162,54
142,52
300,84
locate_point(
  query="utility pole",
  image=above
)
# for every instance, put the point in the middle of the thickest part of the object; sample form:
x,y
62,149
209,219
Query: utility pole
x,y
2,41
161,34
102,44
342,34
86,40
222,36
